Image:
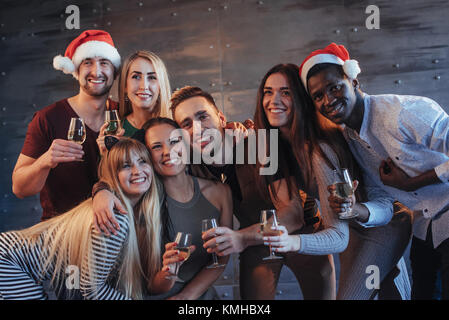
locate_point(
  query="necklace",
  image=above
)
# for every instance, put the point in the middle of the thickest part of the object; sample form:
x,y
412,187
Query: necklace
x,y
131,121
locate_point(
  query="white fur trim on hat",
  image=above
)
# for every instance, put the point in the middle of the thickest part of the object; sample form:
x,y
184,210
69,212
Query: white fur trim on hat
x,y
319,58
64,64
96,48
351,68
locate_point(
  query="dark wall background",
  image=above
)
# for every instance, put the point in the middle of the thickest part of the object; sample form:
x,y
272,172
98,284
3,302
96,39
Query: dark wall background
x,y
224,46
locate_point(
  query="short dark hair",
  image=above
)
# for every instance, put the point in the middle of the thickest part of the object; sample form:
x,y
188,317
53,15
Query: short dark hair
x,y
142,135
324,66
189,92
157,121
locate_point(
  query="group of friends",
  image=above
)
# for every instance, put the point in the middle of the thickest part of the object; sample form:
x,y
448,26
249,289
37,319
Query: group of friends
x,y
112,206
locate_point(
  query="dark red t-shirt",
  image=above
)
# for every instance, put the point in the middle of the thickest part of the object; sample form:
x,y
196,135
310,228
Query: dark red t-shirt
x,y
68,184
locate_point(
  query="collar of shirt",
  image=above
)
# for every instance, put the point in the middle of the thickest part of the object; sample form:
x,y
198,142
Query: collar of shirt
x,y
387,132
352,134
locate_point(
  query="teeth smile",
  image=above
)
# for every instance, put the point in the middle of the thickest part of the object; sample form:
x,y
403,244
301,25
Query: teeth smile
x,y
138,180
277,110
172,161
97,81
204,139
336,109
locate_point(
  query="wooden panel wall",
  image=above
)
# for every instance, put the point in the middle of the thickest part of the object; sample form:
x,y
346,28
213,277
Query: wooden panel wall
x,y
224,46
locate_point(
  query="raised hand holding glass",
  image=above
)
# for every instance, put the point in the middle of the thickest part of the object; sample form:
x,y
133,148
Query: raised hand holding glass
x,y
266,228
344,189
207,224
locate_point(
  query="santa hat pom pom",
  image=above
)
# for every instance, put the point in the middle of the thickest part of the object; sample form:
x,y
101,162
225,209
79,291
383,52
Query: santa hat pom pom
x,y
351,68
64,64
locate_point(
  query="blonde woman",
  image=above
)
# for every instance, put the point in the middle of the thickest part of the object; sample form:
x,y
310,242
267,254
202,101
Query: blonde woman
x,y
188,200
144,90
119,267
144,93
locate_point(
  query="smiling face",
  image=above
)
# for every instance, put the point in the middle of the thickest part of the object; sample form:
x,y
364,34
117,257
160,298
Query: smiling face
x,y
161,139
277,101
142,85
196,115
135,177
96,76
333,94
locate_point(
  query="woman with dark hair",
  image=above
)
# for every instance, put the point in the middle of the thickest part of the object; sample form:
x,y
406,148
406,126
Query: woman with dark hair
x,y
278,107
187,201
310,148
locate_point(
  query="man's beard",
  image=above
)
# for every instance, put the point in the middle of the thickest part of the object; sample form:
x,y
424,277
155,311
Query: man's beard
x,y
90,91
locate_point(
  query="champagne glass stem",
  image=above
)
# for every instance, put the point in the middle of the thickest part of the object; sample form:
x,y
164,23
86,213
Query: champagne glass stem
x,y
214,257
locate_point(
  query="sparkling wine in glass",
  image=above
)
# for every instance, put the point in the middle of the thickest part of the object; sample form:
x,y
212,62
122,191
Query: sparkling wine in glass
x,y
207,224
344,189
184,241
268,220
111,117
77,131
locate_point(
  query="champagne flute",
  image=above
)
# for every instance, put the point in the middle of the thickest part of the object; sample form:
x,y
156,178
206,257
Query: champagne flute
x,y
111,117
267,231
344,189
207,224
77,131
183,243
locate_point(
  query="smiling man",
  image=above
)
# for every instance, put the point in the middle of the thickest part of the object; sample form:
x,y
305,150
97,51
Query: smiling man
x,y
62,171
402,145
196,112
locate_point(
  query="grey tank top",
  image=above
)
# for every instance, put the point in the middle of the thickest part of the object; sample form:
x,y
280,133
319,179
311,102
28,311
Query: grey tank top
x,y
187,217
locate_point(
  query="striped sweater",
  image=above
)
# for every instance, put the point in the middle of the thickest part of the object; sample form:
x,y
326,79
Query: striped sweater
x,y
335,235
359,247
22,272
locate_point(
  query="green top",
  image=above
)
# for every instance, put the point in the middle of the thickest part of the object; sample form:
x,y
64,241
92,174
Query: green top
x,y
129,129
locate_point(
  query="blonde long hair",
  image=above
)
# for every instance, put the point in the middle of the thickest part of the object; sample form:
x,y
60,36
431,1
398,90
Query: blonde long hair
x,y
68,237
163,101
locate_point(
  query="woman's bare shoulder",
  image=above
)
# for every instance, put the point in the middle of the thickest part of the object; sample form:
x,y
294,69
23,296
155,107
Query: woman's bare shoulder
x,y
215,191
216,187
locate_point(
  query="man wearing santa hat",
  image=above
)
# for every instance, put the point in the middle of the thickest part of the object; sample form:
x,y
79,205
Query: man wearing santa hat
x,y
402,144
62,171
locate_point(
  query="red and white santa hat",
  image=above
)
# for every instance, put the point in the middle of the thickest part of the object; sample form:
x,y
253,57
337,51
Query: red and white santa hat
x,y
333,53
89,44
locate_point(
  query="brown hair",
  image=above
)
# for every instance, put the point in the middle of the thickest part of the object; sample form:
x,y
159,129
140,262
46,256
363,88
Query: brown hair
x,y
188,92
159,120
308,130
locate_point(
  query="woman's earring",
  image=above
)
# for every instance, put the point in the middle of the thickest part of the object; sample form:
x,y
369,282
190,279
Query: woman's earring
x,y
126,98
